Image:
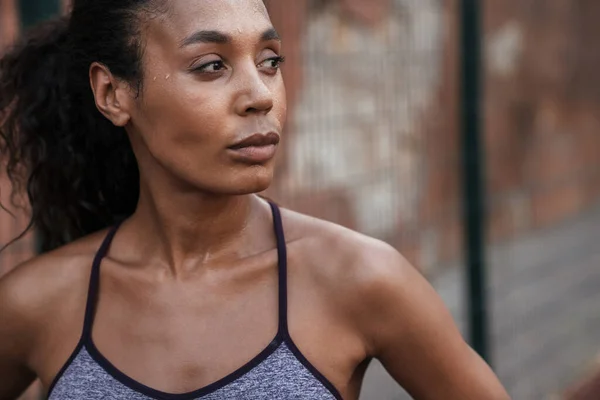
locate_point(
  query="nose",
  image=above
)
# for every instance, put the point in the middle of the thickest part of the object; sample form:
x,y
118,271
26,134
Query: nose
x,y
255,96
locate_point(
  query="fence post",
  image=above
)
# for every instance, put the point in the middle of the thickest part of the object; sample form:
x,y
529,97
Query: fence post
x,y
473,171
34,11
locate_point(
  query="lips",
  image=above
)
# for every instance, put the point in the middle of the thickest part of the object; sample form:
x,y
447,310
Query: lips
x,y
257,140
258,148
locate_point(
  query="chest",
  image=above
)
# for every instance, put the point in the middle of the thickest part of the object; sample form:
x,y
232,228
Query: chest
x,y
193,340
180,337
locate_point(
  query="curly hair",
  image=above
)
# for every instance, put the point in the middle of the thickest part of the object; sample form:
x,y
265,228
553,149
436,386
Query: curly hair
x,y
77,169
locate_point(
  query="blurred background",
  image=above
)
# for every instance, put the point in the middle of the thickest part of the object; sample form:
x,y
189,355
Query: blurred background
x,y
375,142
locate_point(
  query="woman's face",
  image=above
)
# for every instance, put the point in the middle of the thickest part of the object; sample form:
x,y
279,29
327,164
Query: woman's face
x,y
212,106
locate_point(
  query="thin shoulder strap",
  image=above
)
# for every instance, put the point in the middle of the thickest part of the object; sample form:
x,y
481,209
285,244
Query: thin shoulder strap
x,y
282,269
92,296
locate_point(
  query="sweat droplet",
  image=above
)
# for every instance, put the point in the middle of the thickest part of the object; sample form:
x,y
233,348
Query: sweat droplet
x,y
154,78
167,77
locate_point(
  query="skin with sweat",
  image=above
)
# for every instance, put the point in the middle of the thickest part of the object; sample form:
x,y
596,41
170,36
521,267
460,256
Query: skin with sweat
x,y
188,290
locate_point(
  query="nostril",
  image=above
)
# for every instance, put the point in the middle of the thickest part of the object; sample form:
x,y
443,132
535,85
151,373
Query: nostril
x,y
254,110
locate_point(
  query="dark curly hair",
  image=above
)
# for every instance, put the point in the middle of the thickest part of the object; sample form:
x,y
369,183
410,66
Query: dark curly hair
x,y
78,169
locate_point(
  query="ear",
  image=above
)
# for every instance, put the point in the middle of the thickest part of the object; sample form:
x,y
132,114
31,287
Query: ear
x,y
112,96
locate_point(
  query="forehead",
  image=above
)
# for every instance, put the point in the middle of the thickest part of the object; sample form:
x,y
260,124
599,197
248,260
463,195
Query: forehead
x,y
185,17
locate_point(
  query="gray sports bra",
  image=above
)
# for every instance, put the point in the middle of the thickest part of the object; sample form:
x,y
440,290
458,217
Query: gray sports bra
x,y
280,371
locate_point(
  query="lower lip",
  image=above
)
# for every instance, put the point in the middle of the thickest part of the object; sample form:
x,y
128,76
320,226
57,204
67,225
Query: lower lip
x,y
254,154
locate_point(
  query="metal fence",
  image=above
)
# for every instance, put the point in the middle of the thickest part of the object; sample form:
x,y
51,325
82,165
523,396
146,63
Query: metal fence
x,y
376,141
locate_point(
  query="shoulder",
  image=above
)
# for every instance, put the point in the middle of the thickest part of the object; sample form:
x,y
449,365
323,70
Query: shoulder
x,y
363,275
363,260
45,276
42,290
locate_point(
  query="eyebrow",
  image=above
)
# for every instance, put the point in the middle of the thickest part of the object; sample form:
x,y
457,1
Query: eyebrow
x,y
223,38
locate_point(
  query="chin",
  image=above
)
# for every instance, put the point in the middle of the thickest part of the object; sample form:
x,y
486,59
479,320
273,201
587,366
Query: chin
x,y
256,182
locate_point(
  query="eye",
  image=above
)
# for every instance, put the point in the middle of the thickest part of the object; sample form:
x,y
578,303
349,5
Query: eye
x,y
272,63
211,67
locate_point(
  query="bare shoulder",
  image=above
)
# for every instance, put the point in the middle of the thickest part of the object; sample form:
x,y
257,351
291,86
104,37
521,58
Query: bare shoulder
x,y
43,276
361,275
368,280
362,261
43,287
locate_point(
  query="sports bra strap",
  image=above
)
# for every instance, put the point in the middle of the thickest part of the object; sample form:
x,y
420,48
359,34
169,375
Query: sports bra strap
x,y
92,297
282,269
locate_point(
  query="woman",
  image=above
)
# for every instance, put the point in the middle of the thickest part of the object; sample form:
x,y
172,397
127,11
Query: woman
x,y
193,292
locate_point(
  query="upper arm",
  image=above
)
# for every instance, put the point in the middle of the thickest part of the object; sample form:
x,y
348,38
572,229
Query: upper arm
x,y
409,329
16,336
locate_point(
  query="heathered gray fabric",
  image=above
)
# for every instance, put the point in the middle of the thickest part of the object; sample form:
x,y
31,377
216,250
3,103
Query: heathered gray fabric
x,y
280,376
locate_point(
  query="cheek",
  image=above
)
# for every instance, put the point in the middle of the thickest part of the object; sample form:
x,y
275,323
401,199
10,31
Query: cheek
x,y
181,127
182,114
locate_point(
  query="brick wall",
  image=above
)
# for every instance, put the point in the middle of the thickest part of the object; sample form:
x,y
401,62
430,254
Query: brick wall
x,y
541,124
8,22
423,195
364,147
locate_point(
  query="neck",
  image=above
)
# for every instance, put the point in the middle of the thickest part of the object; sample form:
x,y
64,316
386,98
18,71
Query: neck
x,y
185,230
